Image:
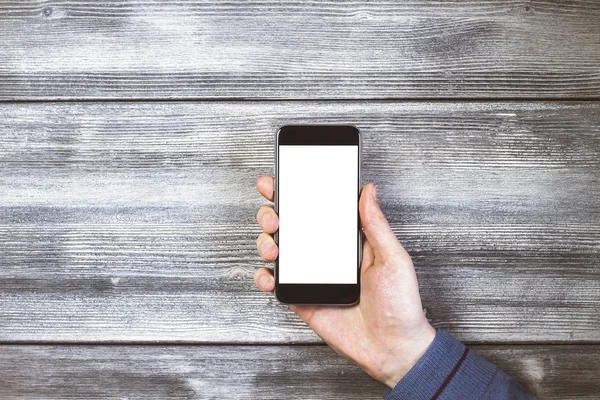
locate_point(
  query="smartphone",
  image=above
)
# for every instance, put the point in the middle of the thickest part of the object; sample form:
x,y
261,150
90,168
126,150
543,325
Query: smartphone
x,y
317,189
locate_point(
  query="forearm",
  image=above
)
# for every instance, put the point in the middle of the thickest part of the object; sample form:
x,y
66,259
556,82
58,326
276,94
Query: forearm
x,y
449,370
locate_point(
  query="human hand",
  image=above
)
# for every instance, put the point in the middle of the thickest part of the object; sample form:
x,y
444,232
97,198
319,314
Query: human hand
x,y
387,332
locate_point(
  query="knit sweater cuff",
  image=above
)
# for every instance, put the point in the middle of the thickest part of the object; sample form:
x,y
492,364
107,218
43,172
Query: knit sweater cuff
x,y
447,370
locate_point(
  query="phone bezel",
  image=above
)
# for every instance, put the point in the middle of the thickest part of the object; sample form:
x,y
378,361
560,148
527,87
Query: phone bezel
x,y
324,294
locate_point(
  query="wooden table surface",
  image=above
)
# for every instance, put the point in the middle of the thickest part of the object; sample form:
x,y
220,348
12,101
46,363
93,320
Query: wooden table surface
x,y
131,135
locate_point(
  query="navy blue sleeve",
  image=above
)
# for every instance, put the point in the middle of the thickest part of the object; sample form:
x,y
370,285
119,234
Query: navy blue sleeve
x,y
449,370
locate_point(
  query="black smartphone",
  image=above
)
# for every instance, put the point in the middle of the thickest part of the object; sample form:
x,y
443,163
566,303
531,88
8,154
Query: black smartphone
x,y
317,189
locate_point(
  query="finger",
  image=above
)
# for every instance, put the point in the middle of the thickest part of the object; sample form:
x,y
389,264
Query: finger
x,y
264,280
267,248
267,219
367,255
368,259
377,229
264,184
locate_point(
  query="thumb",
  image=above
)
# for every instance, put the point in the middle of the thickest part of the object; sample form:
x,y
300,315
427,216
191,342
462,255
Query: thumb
x,y
376,227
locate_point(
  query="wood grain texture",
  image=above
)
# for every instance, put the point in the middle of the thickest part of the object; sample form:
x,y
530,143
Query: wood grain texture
x,y
222,372
251,372
64,49
135,222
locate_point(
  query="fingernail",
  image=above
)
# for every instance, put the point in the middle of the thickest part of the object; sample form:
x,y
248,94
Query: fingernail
x,y
374,193
265,247
263,281
265,220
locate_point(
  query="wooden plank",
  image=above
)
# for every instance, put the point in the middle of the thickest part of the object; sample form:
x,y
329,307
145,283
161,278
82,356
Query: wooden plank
x,y
298,50
551,372
124,222
250,372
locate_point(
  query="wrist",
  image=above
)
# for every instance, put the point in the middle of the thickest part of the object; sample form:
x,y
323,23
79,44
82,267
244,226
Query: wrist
x,y
406,354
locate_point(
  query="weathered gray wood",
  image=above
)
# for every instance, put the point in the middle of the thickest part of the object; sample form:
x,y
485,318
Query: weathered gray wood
x,y
551,372
302,50
134,222
251,372
222,372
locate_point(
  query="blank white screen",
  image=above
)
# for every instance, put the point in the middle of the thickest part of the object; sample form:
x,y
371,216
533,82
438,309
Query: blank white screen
x,y
318,214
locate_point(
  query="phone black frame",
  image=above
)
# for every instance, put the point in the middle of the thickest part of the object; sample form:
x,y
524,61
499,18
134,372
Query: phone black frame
x,y
324,294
